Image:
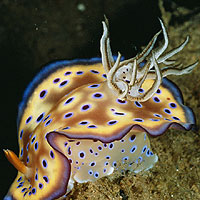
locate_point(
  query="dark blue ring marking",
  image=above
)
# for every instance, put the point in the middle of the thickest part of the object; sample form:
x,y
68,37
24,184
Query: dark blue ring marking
x,y
172,105
141,90
97,95
86,107
144,149
46,179
36,146
112,122
69,100
119,114
48,122
133,149
157,115
19,179
104,170
139,105
40,185
24,189
22,151
21,134
68,115
104,76
148,152
99,148
155,120
94,71
28,119
111,146
175,118
92,164
81,154
79,73
90,172
67,73
156,99
96,174
33,190
166,110
158,91
84,123
40,117
114,164
36,176
44,163
67,127
56,80
122,150
94,86
121,102
132,138
138,120
52,154
63,83
27,159
46,117
33,139
107,157
92,126
43,94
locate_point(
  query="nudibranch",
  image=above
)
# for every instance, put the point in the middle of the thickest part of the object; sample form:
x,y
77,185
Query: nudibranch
x,y
79,120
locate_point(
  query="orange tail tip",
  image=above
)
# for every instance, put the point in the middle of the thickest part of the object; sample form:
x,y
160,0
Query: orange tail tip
x,y
16,162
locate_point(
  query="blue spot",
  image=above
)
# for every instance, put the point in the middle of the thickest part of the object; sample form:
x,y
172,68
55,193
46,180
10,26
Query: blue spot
x,y
167,119
92,126
36,176
69,100
114,164
28,119
141,90
33,191
138,120
36,146
22,151
123,150
132,138
79,73
84,123
40,117
155,120
21,134
92,164
108,157
112,122
68,115
82,154
48,122
90,172
40,185
44,163
121,102
175,118
63,83
139,105
106,163
157,115
67,127
104,170
43,93
52,154
19,179
33,139
94,86
46,179
99,148
144,149
97,95
111,146
67,73
124,159
166,110
27,159
172,105
29,193
56,80
96,174
94,71
119,114
85,107
24,189
133,149
46,117
158,91
156,99
104,76
148,153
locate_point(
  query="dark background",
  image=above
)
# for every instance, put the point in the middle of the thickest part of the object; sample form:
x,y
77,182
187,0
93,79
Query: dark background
x,y
33,33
